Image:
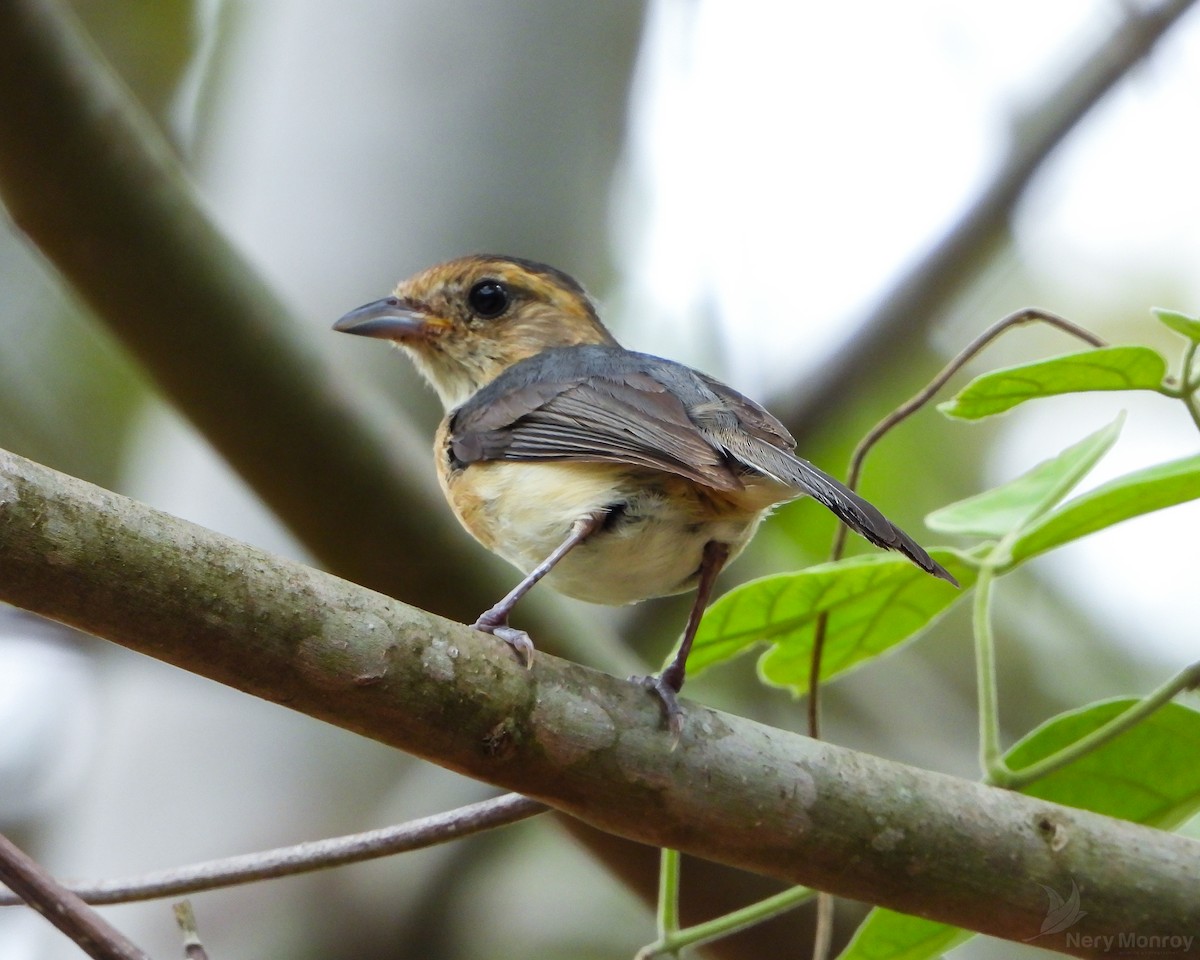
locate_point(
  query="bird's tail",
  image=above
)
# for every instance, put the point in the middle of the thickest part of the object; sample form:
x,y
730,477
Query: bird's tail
x,y
859,515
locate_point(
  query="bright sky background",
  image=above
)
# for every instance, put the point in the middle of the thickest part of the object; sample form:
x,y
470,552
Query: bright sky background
x,y
761,150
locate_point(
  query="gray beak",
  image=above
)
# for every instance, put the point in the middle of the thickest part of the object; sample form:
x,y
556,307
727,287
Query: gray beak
x,y
387,319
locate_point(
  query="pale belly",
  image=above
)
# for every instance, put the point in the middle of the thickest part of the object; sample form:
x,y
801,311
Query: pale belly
x,y
650,547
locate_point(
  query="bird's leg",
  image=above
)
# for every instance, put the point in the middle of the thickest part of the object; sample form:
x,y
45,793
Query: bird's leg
x,y
668,683
495,619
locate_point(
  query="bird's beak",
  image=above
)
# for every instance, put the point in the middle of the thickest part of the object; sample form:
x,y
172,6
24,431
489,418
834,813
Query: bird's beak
x,y
387,319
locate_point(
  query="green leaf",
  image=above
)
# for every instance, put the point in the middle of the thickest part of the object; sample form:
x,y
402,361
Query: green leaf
x,y
874,602
1108,368
999,511
1144,491
1148,774
887,935
1179,322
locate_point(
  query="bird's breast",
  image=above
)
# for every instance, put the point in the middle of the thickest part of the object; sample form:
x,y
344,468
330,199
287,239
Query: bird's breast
x,y
650,546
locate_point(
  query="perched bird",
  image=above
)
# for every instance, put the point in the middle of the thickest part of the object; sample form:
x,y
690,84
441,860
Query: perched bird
x,y
616,476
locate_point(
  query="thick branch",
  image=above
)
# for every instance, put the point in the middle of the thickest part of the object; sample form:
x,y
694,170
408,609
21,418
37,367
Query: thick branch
x,y
586,743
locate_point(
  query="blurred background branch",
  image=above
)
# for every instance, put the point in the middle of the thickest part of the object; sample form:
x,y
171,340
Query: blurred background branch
x,y
341,151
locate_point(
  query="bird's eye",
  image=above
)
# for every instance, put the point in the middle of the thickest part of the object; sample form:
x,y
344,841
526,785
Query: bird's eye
x,y
488,298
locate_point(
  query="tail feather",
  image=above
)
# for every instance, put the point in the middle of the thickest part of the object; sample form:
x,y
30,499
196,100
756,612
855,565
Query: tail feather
x,y
859,515
865,519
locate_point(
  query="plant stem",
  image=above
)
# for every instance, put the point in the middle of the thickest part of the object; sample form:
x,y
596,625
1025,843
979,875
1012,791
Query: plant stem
x,y
1190,382
990,756
668,893
1187,679
667,913
823,938
729,924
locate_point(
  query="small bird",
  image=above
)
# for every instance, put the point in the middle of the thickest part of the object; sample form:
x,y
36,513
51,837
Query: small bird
x,y
615,476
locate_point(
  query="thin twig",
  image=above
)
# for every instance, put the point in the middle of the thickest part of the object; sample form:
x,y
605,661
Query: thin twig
x,y
91,932
193,947
898,416
824,931
307,857
968,353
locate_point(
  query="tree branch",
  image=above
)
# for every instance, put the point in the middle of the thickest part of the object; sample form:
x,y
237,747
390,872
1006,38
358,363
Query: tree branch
x,y
86,928
586,743
307,857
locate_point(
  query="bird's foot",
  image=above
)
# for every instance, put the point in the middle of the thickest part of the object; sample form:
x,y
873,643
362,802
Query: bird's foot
x,y
667,692
496,623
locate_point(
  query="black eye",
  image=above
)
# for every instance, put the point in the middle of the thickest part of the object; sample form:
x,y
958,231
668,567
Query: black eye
x,y
488,298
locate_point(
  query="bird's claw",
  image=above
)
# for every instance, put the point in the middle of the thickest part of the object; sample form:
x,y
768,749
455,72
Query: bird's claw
x,y
668,699
517,639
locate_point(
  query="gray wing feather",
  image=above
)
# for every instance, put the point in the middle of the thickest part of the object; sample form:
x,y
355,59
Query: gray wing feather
x,y
606,404
597,408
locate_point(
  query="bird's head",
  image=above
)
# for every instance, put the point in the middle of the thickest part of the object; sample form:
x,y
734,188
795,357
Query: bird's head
x,y
466,321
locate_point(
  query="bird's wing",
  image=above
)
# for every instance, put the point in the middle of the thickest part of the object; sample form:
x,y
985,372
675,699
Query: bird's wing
x,y
589,403
607,404
761,442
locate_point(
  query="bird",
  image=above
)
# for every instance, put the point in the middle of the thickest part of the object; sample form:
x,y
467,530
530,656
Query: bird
x,y
613,475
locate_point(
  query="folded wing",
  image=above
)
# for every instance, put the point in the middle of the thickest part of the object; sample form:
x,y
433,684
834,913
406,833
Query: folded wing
x,y
605,404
